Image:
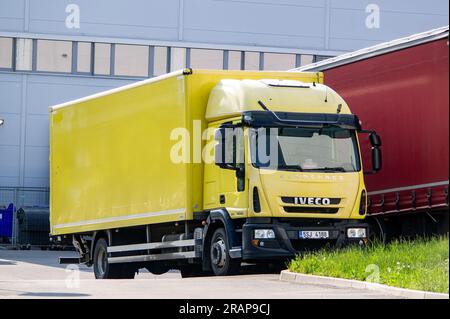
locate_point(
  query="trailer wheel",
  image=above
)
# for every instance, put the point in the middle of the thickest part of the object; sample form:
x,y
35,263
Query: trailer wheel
x,y
104,270
221,262
377,233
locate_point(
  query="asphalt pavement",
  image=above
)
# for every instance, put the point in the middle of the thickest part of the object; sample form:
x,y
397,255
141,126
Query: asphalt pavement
x,y
37,274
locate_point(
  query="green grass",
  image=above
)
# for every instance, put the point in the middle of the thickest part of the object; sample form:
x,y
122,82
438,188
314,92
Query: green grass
x,y
420,264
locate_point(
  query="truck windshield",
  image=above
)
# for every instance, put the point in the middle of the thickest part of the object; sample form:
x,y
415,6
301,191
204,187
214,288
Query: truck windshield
x,y
326,149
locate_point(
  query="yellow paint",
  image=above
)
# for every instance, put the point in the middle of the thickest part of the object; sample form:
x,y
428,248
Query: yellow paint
x,y
110,158
232,97
228,99
110,161
272,185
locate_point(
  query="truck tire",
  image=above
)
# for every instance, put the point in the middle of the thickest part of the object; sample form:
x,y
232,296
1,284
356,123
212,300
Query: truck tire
x,y
377,232
104,270
157,269
221,262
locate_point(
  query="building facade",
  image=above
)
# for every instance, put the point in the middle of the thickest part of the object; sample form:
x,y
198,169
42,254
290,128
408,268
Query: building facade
x,y
54,51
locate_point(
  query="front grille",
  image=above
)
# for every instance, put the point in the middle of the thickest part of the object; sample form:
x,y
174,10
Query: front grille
x,y
310,210
291,200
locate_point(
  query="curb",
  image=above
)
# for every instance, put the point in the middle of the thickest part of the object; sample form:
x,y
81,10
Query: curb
x,y
348,283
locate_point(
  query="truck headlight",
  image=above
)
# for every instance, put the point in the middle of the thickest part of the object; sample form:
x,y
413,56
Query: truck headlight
x,y
356,233
264,234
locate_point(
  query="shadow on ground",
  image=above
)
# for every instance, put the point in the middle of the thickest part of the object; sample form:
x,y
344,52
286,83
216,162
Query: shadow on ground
x,y
37,257
54,294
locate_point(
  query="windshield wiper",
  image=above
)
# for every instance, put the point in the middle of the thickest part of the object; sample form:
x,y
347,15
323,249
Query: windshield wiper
x,y
326,169
295,168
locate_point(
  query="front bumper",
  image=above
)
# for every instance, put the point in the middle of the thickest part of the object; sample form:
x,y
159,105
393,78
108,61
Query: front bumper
x,y
287,243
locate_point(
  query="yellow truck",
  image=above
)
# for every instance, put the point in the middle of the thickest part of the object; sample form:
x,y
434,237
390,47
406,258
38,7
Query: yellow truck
x,y
202,170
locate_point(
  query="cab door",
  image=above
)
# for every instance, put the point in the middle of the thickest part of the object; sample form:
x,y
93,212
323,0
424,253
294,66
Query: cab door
x,y
226,178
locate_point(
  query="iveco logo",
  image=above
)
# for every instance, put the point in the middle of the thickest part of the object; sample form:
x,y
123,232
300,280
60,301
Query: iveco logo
x,y
312,201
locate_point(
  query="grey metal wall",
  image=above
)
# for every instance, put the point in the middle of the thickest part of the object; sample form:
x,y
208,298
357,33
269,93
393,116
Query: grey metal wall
x,y
337,25
24,101
322,26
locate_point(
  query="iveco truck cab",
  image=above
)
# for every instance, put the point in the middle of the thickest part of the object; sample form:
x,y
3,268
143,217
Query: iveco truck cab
x,y
295,170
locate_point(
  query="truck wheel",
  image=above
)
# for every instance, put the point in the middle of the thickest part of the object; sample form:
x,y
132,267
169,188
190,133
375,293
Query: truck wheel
x,y
104,270
221,262
157,269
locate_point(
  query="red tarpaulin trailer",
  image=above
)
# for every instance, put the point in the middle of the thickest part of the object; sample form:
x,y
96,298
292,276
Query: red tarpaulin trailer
x,y
401,90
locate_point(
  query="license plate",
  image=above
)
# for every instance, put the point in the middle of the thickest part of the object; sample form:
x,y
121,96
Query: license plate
x,y
314,234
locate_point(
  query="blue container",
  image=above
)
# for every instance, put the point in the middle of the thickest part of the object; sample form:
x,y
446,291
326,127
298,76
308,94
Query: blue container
x,y
6,221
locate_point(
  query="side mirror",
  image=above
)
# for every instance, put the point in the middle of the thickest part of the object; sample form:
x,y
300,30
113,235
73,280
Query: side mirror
x,y
376,159
375,139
